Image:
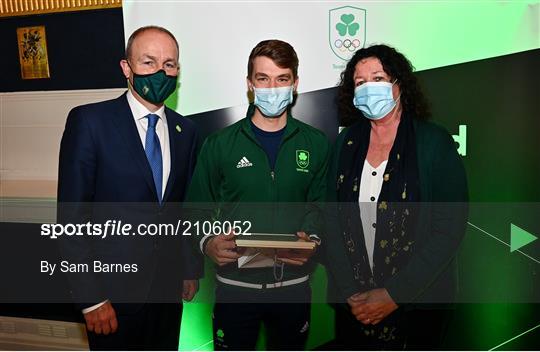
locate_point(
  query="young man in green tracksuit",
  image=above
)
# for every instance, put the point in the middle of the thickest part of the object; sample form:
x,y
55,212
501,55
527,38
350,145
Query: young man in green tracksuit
x,y
267,169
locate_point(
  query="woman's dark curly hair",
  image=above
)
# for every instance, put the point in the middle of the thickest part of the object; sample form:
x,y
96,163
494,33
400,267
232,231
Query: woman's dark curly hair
x,y
398,68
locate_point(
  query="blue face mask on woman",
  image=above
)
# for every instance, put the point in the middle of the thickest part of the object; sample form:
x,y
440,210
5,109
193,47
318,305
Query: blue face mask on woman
x,y
374,99
272,102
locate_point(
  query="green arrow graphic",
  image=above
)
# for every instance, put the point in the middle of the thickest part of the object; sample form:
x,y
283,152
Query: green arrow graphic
x,y
519,237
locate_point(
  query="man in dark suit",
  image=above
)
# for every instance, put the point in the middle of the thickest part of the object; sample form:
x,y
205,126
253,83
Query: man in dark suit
x,y
131,159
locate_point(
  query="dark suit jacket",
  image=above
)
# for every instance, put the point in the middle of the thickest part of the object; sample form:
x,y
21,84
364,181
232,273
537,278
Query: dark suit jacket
x,y
430,276
104,175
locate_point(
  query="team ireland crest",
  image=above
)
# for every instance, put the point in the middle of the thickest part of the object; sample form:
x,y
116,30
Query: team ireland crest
x,y
347,30
302,158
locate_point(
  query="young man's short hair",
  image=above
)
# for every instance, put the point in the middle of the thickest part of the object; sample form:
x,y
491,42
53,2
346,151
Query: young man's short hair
x,y
280,52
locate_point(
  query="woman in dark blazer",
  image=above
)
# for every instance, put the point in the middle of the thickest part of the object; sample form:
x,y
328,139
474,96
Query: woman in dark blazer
x,y
397,209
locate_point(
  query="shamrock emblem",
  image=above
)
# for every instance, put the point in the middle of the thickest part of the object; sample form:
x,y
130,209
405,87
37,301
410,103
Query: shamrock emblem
x,y
220,333
302,158
347,25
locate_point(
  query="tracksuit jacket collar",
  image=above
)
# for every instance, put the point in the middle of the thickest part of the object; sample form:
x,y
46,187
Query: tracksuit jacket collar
x,y
290,129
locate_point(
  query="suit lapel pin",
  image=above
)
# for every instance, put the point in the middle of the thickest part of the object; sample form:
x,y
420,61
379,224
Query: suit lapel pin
x,y
178,128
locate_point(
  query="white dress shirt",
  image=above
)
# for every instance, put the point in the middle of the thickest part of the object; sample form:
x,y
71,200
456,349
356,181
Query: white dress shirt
x,y
140,112
370,188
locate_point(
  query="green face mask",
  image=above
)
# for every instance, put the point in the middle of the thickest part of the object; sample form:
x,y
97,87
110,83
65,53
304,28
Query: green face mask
x,y
154,87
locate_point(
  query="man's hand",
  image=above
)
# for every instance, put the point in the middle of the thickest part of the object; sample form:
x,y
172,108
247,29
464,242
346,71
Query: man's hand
x,y
190,289
222,249
372,306
102,320
296,256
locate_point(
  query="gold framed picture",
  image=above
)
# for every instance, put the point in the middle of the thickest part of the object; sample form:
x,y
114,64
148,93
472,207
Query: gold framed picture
x,y
33,56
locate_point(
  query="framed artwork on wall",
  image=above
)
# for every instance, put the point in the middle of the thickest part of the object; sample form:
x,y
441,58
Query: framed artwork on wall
x,y
33,57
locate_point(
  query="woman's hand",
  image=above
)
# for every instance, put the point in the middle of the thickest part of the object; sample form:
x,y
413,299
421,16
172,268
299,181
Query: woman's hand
x,y
372,306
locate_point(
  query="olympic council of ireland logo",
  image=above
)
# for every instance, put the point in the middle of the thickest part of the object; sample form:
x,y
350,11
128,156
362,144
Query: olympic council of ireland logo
x,y
302,160
347,30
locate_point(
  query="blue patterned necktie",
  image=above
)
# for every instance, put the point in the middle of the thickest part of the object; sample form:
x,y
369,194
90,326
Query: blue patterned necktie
x,y
153,153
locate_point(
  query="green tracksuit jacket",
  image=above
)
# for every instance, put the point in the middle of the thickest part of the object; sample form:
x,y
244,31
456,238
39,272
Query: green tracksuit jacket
x,y
234,180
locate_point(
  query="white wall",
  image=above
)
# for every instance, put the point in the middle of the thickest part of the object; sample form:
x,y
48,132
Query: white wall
x,y
217,36
31,126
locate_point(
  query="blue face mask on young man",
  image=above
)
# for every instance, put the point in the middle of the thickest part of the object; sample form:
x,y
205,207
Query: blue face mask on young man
x,y
272,102
374,99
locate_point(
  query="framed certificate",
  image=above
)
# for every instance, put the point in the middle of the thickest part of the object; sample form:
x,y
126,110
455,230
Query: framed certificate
x,y
277,241
259,250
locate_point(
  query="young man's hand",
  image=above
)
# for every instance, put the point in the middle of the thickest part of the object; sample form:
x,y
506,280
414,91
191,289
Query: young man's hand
x,y
222,249
296,256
